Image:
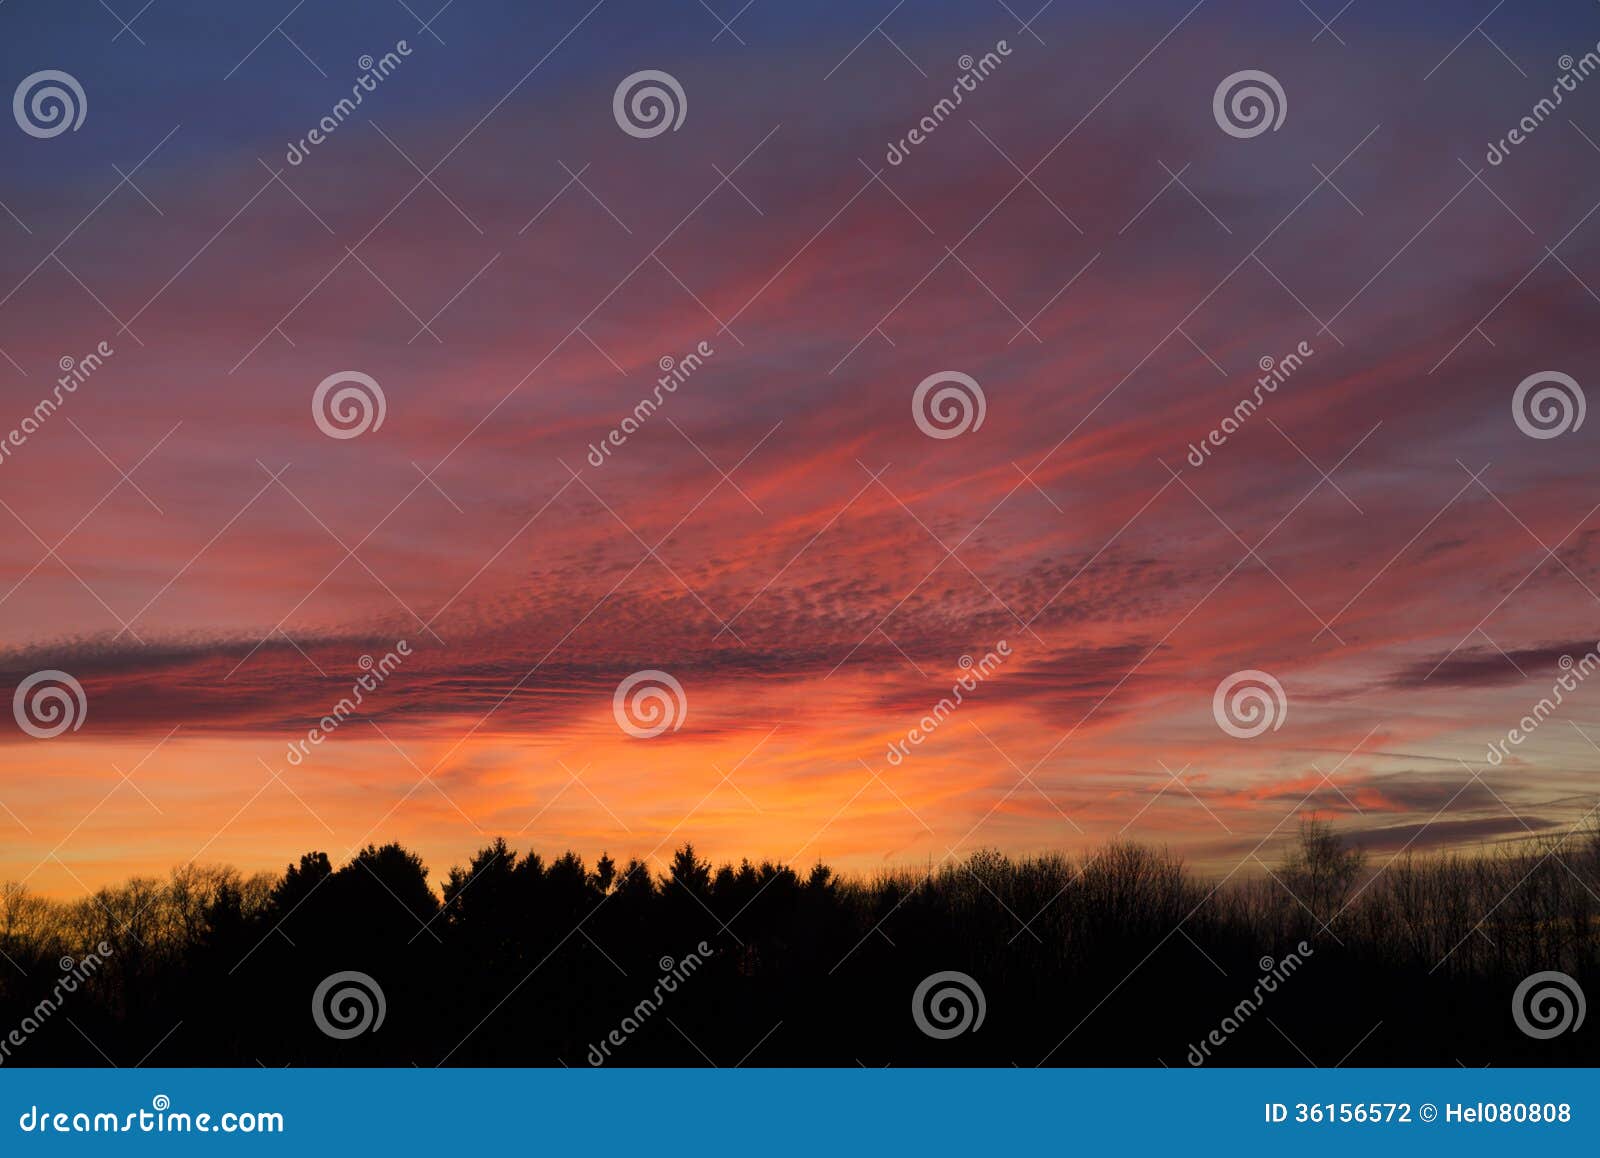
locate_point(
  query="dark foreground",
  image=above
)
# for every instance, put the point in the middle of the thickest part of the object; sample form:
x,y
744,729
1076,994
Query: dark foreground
x,y
1120,958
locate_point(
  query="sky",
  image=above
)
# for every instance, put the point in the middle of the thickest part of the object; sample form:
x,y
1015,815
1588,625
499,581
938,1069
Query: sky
x,y
1081,238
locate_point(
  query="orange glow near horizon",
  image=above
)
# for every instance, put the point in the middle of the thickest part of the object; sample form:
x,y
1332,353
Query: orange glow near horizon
x,y
776,531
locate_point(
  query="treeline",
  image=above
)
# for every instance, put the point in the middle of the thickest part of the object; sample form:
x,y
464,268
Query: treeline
x,y
1116,957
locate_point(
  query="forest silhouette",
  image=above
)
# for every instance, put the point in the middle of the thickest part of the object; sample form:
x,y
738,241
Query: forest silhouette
x,y
1119,956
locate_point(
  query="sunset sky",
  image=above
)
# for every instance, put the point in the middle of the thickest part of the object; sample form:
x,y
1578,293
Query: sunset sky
x,y
1080,237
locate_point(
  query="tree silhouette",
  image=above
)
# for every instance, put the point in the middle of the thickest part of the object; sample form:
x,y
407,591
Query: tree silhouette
x,y
1321,869
520,960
